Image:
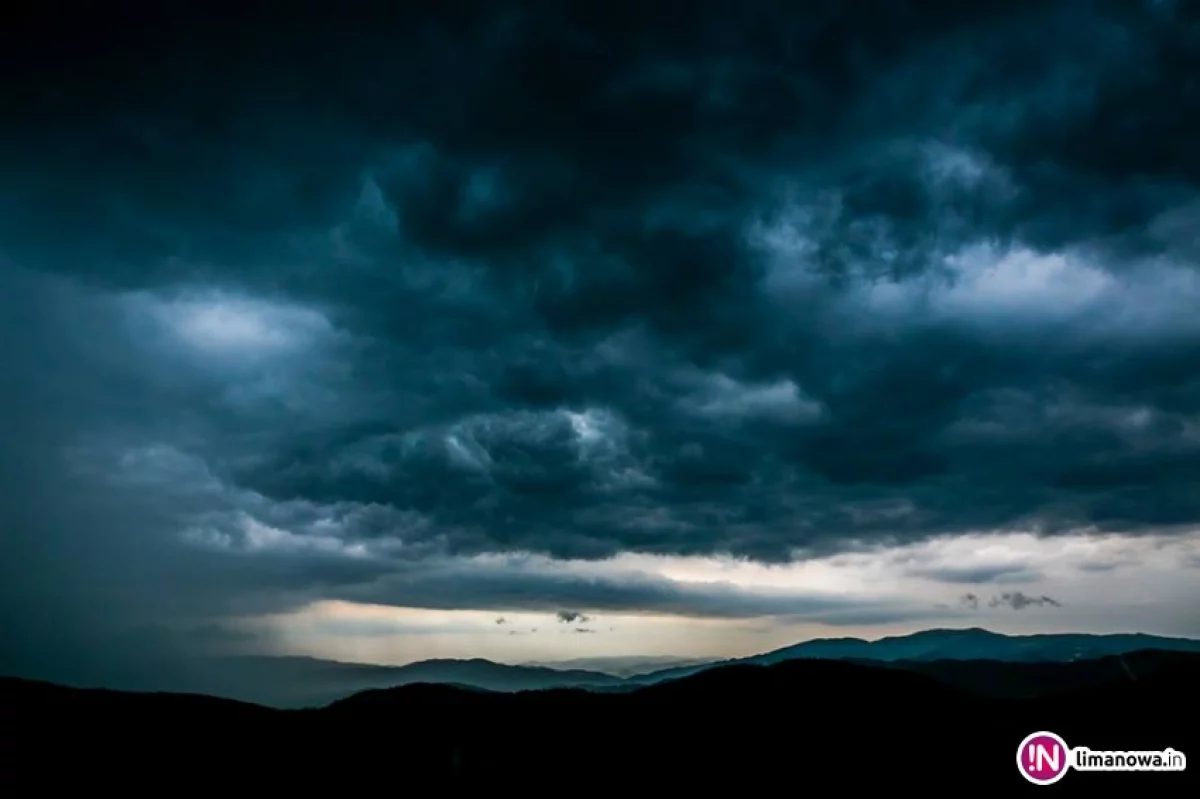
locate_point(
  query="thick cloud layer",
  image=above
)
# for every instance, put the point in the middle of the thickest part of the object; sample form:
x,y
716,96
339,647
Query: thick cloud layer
x,y
334,295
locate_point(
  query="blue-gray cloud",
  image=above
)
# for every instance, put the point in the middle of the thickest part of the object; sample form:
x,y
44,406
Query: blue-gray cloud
x,y
779,284
1008,573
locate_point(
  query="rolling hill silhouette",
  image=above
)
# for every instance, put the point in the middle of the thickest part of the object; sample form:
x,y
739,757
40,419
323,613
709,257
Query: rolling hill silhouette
x,y
814,722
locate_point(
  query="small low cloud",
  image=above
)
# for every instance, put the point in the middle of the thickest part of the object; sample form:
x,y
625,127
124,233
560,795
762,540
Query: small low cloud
x,y
1019,601
572,616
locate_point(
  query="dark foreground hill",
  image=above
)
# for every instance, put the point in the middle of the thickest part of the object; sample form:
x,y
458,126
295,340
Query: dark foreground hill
x,y
814,724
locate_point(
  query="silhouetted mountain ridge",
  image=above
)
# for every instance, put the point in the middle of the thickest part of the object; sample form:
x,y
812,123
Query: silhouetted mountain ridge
x,y
856,723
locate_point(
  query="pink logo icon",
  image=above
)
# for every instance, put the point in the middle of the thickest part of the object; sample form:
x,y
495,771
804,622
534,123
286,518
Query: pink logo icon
x,y
1043,758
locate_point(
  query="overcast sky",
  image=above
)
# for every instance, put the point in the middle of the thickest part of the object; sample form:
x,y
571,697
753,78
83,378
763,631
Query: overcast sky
x,y
555,330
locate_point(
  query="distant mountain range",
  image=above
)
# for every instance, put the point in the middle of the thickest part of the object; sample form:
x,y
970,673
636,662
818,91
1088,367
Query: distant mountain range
x,y
855,724
309,682
295,682
949,644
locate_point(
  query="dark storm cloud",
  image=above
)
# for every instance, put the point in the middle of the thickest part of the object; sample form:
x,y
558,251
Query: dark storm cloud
x,y
550,278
